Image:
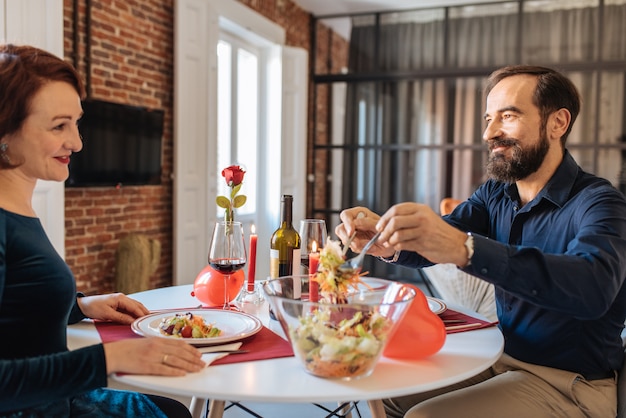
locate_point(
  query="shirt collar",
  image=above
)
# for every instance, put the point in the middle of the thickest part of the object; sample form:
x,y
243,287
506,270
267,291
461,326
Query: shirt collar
x,y
558,188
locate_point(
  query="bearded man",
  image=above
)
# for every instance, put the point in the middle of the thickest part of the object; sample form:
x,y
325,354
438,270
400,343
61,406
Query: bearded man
x,y
552,240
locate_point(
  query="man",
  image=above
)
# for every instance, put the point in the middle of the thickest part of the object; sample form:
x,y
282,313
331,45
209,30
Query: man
x,y
552,240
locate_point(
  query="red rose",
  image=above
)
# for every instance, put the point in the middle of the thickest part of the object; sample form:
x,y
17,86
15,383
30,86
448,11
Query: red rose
x,y
233,175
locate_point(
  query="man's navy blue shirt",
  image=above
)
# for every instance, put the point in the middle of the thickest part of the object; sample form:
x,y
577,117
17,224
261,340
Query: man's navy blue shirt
x,y
558,265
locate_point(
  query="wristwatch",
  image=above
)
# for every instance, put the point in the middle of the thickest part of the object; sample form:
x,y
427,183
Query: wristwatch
x,y
469,244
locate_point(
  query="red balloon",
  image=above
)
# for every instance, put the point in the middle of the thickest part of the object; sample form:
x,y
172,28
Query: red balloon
x,y
208,287
419,334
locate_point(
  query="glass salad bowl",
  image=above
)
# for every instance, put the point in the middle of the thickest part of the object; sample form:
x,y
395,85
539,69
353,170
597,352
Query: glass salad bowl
x,y
343,340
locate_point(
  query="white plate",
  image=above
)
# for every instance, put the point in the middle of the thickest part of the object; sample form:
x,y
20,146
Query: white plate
x,y
372,283
436,305
234,325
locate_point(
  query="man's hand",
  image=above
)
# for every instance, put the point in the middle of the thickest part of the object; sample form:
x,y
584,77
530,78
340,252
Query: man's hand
x,y
361,221
416,227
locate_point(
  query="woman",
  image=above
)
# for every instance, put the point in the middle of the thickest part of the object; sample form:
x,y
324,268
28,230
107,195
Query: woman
x,y
40,106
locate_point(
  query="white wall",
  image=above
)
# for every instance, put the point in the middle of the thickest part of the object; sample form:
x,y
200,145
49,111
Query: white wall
x,y
40,23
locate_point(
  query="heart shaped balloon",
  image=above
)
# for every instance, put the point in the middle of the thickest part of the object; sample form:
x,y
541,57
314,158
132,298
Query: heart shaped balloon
x,y
208,287
420,333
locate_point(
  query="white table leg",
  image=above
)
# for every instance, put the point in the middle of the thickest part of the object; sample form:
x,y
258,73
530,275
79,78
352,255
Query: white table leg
x,y
196,407
377,408
216,408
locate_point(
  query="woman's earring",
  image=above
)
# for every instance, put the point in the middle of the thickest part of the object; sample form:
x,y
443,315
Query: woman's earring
x,y
3,152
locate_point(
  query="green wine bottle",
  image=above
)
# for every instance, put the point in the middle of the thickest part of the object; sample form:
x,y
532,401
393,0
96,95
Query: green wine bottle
x,y
285,243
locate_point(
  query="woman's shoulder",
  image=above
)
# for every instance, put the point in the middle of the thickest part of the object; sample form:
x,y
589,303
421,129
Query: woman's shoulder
x,y
8,211
11,216
17,225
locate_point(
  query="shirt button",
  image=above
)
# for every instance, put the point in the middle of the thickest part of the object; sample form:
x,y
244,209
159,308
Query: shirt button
x,y
534,292
484,270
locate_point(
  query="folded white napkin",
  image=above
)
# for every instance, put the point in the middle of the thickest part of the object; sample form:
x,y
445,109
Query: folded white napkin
x,y
209,358
209,355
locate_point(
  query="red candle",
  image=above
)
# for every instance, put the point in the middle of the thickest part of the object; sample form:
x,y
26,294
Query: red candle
x,y
314,260
252,261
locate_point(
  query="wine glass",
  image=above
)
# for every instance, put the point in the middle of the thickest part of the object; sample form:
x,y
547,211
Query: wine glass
x,y
311,230
227,252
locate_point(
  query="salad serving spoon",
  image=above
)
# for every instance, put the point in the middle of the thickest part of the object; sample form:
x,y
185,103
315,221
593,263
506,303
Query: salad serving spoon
x,y
355,263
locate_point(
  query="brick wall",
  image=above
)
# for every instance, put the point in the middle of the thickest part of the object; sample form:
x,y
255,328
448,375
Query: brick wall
x,y
96,218
132,63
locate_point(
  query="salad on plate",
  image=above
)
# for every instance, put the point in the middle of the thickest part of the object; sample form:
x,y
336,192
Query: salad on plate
x,y
188,325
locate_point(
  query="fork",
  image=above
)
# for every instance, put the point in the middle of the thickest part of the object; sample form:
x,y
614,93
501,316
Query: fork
x,y
354,264
347,244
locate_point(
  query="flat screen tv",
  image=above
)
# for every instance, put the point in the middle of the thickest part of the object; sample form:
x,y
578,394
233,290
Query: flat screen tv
x,y
121,146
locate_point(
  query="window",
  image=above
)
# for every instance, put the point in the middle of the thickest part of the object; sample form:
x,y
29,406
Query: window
x,y
238,109
403,105
280,101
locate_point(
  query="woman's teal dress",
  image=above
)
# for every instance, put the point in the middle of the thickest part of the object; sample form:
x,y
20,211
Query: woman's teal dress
x,y
39,376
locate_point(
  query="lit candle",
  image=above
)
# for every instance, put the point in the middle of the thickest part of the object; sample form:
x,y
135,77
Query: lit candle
x,y
314,260
252,261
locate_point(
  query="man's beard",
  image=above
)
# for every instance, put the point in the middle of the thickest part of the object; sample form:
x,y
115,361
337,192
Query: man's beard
x,y
522,163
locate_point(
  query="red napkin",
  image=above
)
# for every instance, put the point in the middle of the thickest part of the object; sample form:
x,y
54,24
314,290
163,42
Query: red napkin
x,y
465,322
263,345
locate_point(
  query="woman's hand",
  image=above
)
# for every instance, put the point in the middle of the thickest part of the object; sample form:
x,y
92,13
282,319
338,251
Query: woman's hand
x,y
115,307
152,355
362,221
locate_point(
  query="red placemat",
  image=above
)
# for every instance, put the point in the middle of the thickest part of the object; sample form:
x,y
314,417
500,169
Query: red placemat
x,y
459,322
263,345
111,331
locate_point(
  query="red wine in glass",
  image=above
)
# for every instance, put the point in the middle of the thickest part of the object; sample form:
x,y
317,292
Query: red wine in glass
x,y
227,252
227,265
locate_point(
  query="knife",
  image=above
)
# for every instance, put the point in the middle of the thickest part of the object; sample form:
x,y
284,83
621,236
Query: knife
x,y
224,348
225,351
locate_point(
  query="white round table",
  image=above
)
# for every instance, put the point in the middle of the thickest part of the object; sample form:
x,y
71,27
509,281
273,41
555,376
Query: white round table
x,y
281,380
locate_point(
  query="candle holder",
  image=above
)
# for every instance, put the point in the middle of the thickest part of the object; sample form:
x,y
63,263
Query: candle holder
x,y
249,293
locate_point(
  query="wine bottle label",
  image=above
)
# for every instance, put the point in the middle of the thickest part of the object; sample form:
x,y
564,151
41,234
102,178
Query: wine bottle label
x,y
274,264
281,268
